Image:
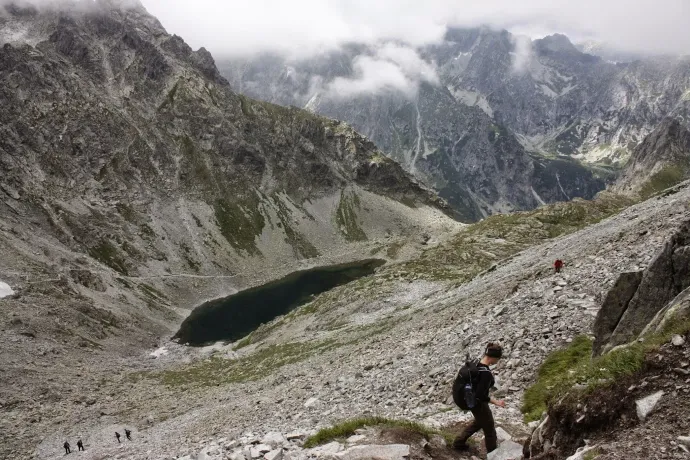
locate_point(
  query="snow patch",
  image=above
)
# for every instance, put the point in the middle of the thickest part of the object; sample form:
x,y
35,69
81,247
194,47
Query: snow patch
x,y
472,98
5,290
537,197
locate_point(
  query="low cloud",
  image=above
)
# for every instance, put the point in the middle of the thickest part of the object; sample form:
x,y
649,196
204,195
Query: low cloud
x,y
391,68
522,53
304,27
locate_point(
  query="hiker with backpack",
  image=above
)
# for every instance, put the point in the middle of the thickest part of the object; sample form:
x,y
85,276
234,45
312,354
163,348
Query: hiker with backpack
x,y
471,392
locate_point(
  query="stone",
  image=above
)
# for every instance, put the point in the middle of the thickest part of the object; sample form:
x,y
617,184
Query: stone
x,y
259,450
645,406
378,452
685,440
678,341
507,450
581,453
276,454
356,438
502,434
310,402
613,307
294,435
327,449
273,439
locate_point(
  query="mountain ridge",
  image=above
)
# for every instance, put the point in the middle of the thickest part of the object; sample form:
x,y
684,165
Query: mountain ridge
x,y
553,100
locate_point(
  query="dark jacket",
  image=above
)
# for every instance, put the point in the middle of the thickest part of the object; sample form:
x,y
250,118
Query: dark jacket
x,y
483,383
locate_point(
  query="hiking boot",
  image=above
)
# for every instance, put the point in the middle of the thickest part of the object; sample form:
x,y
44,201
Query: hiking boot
x,y
460,447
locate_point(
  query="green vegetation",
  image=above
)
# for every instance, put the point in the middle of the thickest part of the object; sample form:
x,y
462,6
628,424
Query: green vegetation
x,y
170,97
667,177
346,217
215,371
152,291
127,211
565,368
554,372
240,225
200,174
145,231
245,342
106,253
300,244
479,246
349,427
591,455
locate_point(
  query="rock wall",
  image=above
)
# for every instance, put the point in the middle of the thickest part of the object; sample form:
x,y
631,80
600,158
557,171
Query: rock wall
x,y
636,298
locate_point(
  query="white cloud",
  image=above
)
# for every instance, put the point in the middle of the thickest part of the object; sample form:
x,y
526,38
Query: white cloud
x,y
522,54
242,27
391,68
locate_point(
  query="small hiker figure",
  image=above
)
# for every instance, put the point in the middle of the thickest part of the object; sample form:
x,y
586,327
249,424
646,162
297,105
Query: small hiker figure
x,y
80,445
128,434
117,435
66,446
557,265
471,392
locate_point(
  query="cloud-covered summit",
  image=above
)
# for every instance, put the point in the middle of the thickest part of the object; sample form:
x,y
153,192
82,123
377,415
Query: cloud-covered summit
x,y
303,27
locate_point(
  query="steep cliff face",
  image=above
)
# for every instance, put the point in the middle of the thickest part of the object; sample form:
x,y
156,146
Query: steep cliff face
x,y
660,161
567,120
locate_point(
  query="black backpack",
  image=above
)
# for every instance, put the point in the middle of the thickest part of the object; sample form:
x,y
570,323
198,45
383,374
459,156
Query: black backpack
x,y
463,387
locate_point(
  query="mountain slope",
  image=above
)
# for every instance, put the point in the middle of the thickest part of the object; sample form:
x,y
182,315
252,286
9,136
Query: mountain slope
x,y
548,100
134,185
660,161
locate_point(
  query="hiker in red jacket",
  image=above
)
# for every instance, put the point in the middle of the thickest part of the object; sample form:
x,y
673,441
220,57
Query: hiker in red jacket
x,y
557,265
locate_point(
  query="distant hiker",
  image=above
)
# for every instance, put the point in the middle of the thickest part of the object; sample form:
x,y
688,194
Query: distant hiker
x,y
471,392
557,265
128,434
80,445
117,435
66,446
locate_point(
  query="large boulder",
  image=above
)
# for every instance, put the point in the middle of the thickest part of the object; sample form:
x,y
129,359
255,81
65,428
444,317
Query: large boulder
x,y
623,317
614,306
508,450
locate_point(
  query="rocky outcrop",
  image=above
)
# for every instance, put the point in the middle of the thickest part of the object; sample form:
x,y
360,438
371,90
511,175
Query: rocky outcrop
x,y
613,307
637,298
660,161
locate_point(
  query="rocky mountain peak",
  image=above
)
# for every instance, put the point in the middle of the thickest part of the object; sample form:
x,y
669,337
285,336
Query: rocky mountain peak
x,y
556,43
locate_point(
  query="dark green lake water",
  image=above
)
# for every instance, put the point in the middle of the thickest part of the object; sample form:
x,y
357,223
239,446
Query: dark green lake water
x,y
232,318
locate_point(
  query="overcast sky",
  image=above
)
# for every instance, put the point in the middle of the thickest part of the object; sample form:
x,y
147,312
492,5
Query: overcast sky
x,y
242,27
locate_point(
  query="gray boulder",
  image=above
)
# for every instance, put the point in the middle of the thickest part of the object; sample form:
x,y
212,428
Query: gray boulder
x,y
646,406
508,450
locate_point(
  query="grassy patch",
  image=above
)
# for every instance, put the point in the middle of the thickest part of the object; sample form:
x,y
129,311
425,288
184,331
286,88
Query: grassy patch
x,y
245,342
240,225
565,368
106,253
127,211
349,427
300,244
591,455
496,238
216,371
346,217
553,374
667,177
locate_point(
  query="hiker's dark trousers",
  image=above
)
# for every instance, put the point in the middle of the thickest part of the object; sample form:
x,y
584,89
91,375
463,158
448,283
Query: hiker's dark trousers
x,y
67,451
483,420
